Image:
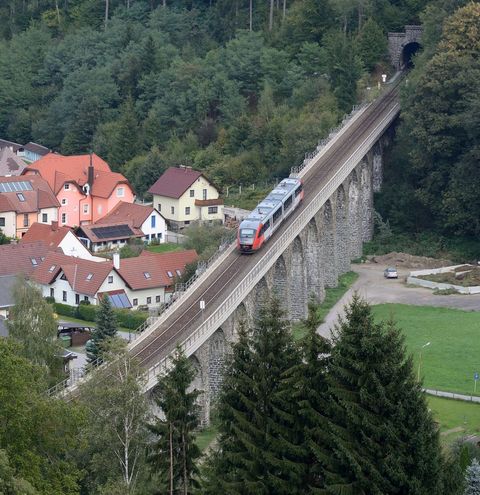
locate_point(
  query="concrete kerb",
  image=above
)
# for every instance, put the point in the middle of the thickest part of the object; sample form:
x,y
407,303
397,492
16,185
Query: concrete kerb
x,y
429,284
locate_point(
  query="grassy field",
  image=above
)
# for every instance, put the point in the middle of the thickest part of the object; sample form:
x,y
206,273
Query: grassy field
x,y
205,437
332,296
453,356
456,418
164,248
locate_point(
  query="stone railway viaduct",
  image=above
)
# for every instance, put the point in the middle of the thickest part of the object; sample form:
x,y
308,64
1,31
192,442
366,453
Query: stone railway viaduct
x,y
308,253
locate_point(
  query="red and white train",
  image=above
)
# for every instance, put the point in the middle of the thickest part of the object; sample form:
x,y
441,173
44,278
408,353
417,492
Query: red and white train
x,y
265,219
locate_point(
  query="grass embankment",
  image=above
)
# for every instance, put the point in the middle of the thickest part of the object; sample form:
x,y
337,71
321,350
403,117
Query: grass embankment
x,y
166,247
332,296
453,355
456,418
248,199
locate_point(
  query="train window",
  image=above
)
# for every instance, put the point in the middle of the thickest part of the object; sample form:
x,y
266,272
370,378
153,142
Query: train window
x,y
288,203
265,226
298,190
277,215
248,233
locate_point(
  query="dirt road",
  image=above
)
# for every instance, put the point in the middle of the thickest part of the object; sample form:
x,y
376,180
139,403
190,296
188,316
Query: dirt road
x,y
376,289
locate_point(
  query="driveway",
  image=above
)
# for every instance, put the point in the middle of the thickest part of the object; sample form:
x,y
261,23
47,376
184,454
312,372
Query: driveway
x,y
373,287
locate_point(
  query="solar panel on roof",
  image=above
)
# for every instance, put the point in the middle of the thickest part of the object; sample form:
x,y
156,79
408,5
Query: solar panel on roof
x,y
15,186
112,231
119,300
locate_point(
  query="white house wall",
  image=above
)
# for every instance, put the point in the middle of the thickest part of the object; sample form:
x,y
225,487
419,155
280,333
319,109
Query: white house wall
x,y
10,228
160,228
52,215
72,246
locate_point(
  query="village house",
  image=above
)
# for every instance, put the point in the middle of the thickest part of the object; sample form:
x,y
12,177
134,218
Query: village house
x,y
32,152
108,237
147,280
144,218
59,237
183,196
10,163
25,200
84,185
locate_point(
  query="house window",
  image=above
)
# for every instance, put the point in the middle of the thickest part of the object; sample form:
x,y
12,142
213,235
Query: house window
x,y
77,299
135,302
34,261
64,296
192,193
85,298
172,210
187,222
149,300
89,276
21,197
66,187
100,209
212,210
110,279
64,218
178,272
187,210
204,192
85,209
147,275
44,218
159,207
153,236
52,292
2,221
52,268
153,221
25,219
160,235
64,201
170,274
120,192
157,298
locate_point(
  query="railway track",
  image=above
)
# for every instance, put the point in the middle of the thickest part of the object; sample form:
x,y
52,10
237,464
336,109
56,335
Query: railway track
x,y
225,277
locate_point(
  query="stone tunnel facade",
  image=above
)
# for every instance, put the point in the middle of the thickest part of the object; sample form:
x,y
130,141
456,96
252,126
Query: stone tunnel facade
x,y
397,42
313,262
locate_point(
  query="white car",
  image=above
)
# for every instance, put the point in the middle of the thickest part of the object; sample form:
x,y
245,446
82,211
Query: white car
x,y
390,273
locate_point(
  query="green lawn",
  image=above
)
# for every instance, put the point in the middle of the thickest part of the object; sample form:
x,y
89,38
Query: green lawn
x,y
164,248
332,296
88,323
456,418
206,436
453,355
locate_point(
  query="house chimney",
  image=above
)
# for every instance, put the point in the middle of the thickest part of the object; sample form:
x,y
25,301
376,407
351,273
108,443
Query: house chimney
x,y
55,225
90,174
116,260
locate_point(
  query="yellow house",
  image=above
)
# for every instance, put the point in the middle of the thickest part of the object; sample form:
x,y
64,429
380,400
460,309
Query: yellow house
x,y
183,196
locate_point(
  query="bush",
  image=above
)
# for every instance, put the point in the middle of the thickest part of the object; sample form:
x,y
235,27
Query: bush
x,y
65,310
50,299
86,312
130,319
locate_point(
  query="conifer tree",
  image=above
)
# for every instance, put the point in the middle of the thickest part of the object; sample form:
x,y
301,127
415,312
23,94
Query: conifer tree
x,y
308,382
383,438
258,451
173,454
472,479
106,327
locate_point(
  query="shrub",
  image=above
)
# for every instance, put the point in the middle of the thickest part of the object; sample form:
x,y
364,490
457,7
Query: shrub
x,y
65,310
50,299
130,319
87,312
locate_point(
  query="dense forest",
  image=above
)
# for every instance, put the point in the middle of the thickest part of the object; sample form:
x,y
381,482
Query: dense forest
x,y
241,89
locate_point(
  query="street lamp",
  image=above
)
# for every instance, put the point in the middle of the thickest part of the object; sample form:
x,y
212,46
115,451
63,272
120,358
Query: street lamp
x,y
420,359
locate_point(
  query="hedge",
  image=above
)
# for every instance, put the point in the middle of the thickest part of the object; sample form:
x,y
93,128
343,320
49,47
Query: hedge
x,y
125,317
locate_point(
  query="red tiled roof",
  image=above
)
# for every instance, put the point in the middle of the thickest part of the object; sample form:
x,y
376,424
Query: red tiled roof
x,y
174,182
58,169
16,259
88,232
41,196
52,235
156,266
76,270
130,213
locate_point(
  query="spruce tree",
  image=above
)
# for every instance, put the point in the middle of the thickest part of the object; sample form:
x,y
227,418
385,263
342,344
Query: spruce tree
x,y
383,439
173,454
472,479
258,448
308,382
106,327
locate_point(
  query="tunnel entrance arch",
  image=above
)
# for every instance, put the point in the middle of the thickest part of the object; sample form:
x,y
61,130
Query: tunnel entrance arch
x,y
402,46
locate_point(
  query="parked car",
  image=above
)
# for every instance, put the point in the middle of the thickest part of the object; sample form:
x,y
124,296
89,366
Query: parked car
x,y
390,273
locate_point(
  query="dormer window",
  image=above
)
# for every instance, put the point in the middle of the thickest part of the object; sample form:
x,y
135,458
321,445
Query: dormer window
x,y
66,187
34,261
90,276
170,274
52,268
21,197
147,275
